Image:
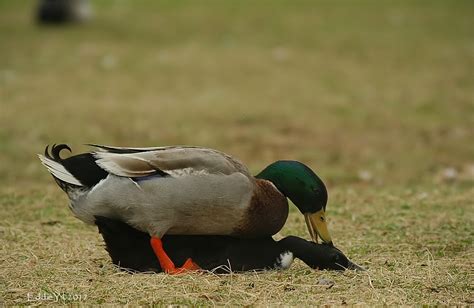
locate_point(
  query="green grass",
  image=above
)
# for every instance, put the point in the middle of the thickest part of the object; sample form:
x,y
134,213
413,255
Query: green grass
x,y
376,96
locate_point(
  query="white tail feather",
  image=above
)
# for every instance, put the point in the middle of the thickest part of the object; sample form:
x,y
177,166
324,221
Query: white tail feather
x,y
58,171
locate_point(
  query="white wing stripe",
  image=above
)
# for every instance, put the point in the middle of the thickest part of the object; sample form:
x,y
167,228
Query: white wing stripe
x,y
58,170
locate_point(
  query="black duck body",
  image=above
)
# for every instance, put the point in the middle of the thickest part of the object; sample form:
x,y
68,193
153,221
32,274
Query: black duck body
x,y
130,249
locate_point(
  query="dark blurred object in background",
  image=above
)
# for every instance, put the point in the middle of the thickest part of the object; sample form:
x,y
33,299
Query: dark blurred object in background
x,y
63,11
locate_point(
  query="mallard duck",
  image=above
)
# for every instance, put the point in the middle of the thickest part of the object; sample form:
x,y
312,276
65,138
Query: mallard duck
x,y
130,250
187,190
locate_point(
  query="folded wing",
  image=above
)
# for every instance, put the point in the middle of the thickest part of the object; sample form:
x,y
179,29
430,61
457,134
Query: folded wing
x,y
174,161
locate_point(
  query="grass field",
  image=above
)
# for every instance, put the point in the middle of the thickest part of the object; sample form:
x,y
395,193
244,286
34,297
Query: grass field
x,y
377,96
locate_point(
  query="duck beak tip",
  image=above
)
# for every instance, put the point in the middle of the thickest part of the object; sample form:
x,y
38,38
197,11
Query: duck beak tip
x,y
355,267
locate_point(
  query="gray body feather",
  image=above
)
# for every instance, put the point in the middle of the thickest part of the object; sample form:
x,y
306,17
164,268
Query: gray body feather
x,y
196,204
205,191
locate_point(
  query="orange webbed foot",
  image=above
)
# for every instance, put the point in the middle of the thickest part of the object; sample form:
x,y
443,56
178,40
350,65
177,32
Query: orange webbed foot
x,y
166,263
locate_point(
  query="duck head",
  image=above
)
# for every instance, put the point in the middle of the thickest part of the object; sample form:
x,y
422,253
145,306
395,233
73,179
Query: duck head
x,y
317,256
306,190
328,257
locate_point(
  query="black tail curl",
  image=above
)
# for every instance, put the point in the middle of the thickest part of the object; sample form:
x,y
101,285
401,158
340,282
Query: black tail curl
x,y
55,151
81,166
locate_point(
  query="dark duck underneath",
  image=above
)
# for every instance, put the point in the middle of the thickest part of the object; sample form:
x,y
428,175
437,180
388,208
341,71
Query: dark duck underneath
x,y
130,249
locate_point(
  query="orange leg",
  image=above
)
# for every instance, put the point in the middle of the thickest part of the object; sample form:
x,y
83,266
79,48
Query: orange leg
x,y
165,262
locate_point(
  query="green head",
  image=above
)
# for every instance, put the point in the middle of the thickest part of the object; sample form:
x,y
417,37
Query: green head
x,y
305,189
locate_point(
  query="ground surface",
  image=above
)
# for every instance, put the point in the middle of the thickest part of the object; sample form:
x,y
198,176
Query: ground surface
x,y
378,98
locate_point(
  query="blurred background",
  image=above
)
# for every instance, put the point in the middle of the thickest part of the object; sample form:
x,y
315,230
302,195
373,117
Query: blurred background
x,y
365,92
376,96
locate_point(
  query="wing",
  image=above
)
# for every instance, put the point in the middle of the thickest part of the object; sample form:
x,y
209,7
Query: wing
x,y
172,160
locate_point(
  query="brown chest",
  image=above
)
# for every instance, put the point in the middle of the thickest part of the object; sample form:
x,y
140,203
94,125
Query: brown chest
x,y
266,214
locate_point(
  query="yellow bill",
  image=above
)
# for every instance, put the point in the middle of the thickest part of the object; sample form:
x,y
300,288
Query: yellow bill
x,y
316,223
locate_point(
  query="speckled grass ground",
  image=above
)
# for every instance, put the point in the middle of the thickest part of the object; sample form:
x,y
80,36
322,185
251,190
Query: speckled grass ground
x,y
378,98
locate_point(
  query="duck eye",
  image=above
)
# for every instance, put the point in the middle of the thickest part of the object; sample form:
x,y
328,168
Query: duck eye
x,y
321,218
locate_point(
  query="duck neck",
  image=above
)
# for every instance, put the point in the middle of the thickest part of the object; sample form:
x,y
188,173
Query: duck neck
x,y
297,246
314,255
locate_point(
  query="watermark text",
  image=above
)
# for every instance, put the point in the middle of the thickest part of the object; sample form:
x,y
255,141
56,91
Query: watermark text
x,y
55,297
